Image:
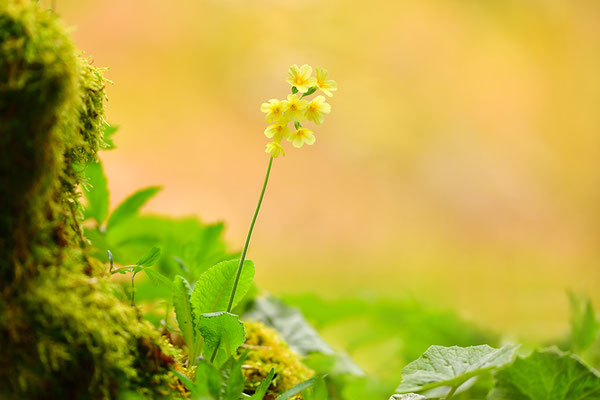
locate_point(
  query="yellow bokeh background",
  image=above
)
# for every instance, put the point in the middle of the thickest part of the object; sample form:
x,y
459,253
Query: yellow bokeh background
x,y
459,165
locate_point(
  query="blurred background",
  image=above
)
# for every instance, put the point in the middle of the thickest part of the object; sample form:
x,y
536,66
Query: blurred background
x,y
459,165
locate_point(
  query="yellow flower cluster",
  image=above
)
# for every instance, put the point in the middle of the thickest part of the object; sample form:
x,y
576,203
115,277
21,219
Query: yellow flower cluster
x,y
296,109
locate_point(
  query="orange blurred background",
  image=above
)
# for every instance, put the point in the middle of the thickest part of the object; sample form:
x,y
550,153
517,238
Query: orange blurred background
x,y
459,165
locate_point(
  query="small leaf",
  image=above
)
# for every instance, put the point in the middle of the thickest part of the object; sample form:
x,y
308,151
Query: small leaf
x,y
131,206
452,366
294,89
221,330
159,279
297,389
97,193
213,289
310,91
183,311
584,326
547,374
149,258
263,387
109,131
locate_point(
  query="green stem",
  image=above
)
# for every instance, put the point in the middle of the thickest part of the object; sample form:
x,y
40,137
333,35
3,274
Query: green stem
x,y
243,256
451,392
132,289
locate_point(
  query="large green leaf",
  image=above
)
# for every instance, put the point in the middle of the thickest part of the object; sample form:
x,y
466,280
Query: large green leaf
x,y
213,289
548,374
183,311
97,194
221,330
130,206
452,366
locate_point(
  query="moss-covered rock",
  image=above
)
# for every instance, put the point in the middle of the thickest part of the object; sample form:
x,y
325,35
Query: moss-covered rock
x,y
266,350
63,332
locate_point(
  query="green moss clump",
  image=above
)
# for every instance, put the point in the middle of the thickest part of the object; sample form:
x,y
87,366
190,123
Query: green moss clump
x,y
63,332
266,350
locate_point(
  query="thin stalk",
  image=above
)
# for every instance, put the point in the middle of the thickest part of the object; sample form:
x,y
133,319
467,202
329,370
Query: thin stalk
x,y
451,392
132,289
243,256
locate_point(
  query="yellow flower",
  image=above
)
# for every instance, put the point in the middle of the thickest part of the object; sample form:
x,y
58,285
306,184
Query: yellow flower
x,y
277,132
301,77
316,109
274,110
274,149
301,136
325,84
294,107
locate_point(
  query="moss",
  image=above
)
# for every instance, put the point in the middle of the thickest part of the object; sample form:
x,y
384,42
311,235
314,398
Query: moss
x,y
266,350
63,332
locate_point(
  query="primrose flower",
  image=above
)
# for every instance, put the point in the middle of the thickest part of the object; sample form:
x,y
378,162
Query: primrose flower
x,y
274,149
274,110
301,136
301,77
325,84
294,107
316,109
277,132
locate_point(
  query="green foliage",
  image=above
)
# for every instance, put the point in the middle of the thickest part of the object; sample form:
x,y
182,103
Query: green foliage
x,y
548,374
97,194
297,389
261,390
211,292
584,325
452,366
408,396
223,333
131,206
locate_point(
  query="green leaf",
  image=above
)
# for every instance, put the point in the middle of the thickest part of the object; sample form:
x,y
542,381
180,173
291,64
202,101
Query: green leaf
x,y
408,396
213,289
263,387
290,323
233,378
109,131
584,326
131,206
149,258
159,279
310,91
97,194
318,392
297,389
548,374
294,89
221,330
208,380
452,366
183,311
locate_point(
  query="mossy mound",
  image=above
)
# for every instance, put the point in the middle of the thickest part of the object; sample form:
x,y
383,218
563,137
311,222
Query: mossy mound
x,y
266,350
63,332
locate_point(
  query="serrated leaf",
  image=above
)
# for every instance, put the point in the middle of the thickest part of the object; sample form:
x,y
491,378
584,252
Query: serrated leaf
x,y
159,279
97,194
408,396
149,258
548,374
131,206
263,387
290,323
297,389
221,330
452,366
183,311
213,289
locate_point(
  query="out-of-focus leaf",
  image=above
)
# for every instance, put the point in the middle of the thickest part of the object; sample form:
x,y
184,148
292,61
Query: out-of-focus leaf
x,y
317,392
584,325
297,389
149,258
547,374
213,289
159,279
208,380
221,330
131,206
107,138
290,323
233,378
97,193
263,387
452,366
408,396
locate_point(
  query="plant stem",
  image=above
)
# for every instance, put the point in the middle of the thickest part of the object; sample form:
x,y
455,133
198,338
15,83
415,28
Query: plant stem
x,y
451,392
132,289
243,256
